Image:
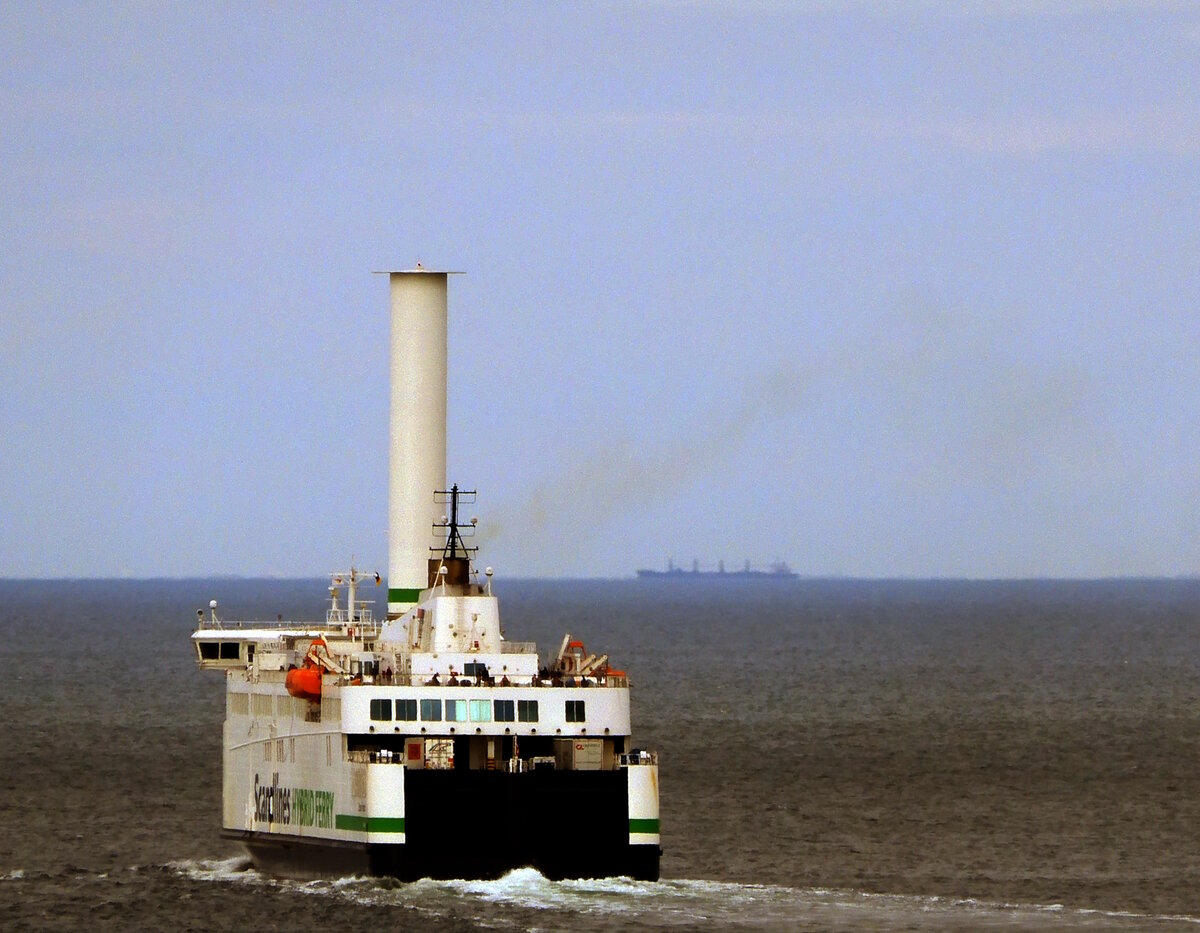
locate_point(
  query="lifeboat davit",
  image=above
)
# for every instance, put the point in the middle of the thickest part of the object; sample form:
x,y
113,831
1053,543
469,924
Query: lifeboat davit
x,y
305,682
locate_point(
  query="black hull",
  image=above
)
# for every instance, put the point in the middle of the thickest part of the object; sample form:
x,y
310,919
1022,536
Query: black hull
x,y
481,825
286,856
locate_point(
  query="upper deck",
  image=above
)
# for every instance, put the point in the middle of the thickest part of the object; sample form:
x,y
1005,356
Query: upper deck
x,y
356,649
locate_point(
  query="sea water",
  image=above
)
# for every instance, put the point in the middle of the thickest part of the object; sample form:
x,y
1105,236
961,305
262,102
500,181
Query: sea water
x,y
835,754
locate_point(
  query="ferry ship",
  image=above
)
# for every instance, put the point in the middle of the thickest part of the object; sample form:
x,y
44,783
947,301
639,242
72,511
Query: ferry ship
x,y
425,744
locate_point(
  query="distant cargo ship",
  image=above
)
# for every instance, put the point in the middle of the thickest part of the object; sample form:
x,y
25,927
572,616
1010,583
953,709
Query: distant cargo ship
x,y
777,570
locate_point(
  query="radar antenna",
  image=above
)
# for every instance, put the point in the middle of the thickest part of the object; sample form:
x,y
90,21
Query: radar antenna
x,y
454,546
451,563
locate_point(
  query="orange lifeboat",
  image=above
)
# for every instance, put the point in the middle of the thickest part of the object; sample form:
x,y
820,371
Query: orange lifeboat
x,y
305,682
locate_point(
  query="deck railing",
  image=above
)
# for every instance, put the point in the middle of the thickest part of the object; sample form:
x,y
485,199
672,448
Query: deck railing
x,y
367,627
387,756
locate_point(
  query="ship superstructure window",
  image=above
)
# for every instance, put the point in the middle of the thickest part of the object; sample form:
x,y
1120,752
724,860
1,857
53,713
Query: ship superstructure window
x,y
220,651
504,711
456,711
527,710
431,710
406,710
575,711
481,711
381,710
475,669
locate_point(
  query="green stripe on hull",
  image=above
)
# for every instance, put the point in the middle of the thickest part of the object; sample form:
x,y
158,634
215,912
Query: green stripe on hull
x,y
643,826
402,595
369,824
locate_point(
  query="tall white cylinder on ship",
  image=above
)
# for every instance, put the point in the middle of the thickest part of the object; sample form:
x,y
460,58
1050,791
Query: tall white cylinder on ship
x,y
417,467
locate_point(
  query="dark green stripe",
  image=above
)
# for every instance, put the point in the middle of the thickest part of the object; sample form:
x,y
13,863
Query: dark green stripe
x,y
643,826
401,595
369,824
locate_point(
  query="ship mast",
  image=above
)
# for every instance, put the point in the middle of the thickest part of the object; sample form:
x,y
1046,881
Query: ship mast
x,y
454,538
451,563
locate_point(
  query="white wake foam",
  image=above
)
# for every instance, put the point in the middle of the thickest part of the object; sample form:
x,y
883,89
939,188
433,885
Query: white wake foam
x,y
234,869
682,903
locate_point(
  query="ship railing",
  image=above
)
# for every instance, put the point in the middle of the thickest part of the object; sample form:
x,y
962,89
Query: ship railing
x,y
385,756
275,624
368,628
407,678
639,756
389,756
591,680
362,617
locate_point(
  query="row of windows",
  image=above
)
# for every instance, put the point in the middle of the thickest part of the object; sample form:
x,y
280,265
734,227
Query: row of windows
x,y
467,710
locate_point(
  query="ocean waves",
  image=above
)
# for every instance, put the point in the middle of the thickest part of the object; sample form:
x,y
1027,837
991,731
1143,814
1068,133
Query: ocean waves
x,y
524,899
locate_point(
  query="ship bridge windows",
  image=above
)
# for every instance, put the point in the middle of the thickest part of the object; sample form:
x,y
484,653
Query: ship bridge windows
x,y
576,711
406,710
505,711
431,710
381,710
220,651
456,711
481,710
527,710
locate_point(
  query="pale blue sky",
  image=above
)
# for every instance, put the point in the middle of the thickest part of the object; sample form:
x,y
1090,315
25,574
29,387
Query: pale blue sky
x,y
903,293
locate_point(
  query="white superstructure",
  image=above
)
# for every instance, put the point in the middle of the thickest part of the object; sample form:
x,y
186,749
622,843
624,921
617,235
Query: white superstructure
x,y
425,743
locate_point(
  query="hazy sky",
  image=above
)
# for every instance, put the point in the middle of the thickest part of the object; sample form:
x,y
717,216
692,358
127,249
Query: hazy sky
x,y
904,293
